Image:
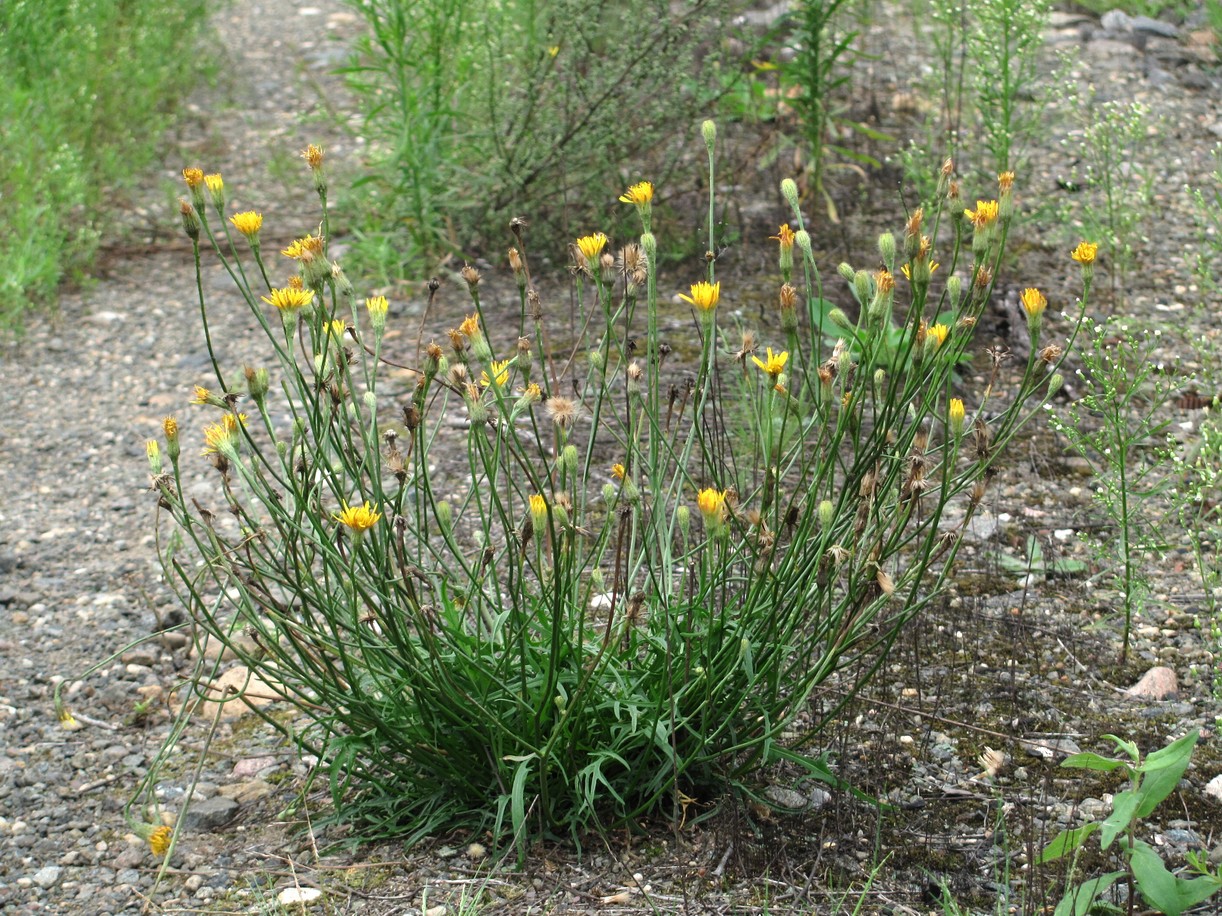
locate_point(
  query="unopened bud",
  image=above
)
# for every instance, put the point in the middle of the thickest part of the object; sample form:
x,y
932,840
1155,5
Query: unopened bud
x,y
708,130
846,271
632,493
801,238
861,287
153,450
683,517
608,493
789,190
445,516
954,291
257,384
827,514
1055,381
886,249
568,459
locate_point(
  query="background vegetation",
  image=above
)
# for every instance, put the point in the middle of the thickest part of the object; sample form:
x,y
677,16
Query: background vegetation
x,y
88,87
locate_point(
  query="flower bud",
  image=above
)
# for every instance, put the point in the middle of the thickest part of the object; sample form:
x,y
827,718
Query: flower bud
x,y
216,190
1055,381
840,319
170,427
789,190
190,219
632,493
827,514
801,238
445,517
371,402
683,517
609,493
954,291
153,450
377,306
708,130
257,384
568,459
886,249
649,244
861,287
846,271
956,415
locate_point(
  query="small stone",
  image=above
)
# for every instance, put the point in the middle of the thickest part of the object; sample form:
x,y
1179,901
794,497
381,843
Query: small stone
x,y
1158,683
249,766
48,877
211,814
1213,788
142,655
291,895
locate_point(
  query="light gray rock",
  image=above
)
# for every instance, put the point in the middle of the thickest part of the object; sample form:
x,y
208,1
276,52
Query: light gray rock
x,y
47,877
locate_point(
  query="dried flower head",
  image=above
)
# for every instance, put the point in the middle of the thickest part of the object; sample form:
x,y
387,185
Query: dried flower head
x,y
1051,353
515,261
313,155
358,518
471,275
704,295
562,411
1005,182
287,299
633,264
788,296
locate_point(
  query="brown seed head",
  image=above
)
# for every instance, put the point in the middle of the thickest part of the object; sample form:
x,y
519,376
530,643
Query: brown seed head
x,y
788,296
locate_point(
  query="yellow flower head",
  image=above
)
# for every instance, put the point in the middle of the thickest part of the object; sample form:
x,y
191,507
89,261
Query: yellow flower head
x,y
377,306
193,177
984,215
215,183
67,720
618,471
591,246
906,270
223,437
885,281
1034,302
704,295
289,299
336,328
248,223
359,518
500,371
1005,182
956,414
308,247
785,236
538,510
773,365
639,194
712,505
938,332
159,840
470,327
170,427
1085,253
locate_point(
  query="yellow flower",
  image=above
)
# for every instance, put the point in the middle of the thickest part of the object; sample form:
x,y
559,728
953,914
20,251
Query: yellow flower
x,y
591,246
785,236
704,295
773,365
359,518
223,437
538,510
215,183
938,332
712,504
1005,182
193,177
1033,302
309,246
67,720
377,306
1085,253
289,299
170,426
159,840
985,214
907,271
617,471
956,414
336,328
500,370
248,223
639,193
470,327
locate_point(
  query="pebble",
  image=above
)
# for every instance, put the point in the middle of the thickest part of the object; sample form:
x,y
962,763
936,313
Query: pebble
x,y
211,813
48,876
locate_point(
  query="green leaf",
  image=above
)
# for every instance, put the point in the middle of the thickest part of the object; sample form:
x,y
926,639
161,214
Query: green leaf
x,y
1127,746
1089,761
1163,890
1124,804
1066,841
1078,900
1163,770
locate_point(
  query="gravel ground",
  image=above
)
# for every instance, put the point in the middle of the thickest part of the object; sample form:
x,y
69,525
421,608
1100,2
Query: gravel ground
x,y
79,580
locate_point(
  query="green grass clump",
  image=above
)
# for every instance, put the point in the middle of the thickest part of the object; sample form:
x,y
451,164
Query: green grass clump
x,y
91,83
